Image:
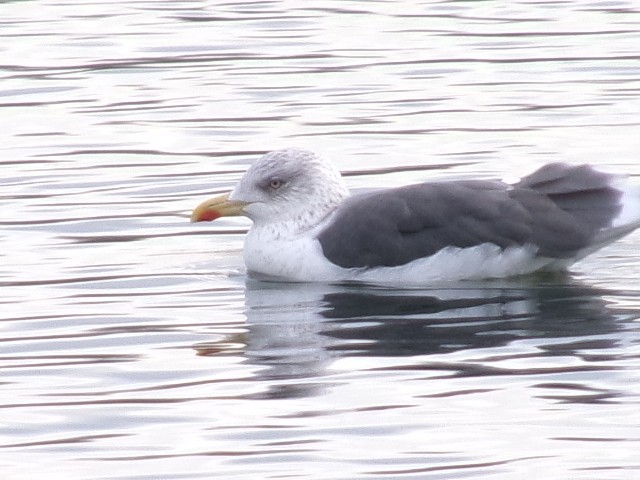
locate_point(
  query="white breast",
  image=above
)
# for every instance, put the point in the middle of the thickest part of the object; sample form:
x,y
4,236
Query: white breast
x,y
298,258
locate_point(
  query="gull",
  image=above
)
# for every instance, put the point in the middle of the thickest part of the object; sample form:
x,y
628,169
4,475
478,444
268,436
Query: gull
x,y
307,227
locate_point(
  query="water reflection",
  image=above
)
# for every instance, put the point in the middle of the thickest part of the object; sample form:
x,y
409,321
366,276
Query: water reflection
x,y
118,115
296,331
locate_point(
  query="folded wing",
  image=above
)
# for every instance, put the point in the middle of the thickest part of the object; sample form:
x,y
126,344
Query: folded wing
x,y
560,210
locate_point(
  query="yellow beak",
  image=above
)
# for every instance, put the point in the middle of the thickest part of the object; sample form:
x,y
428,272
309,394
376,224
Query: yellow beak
x,y
217,207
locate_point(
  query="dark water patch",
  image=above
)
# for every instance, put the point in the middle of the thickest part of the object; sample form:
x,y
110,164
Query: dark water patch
x,y
44,361
64,441
93,279
445,468
137,238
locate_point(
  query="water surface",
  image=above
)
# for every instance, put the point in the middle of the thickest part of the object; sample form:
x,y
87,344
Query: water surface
x,y
134,346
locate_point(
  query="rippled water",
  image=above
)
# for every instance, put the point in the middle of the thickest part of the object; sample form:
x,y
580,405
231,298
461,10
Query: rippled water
x,y
132,344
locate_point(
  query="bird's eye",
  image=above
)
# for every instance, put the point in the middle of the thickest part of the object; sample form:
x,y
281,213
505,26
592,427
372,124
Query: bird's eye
x,y
275,183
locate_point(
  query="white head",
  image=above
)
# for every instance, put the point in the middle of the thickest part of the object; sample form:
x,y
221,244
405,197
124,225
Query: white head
x,y
290,186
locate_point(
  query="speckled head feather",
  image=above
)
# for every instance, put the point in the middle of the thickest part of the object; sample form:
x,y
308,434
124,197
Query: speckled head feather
x,y
290,185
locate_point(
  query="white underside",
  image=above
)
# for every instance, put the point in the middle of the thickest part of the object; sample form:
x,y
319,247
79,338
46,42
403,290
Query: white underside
x,y
302,260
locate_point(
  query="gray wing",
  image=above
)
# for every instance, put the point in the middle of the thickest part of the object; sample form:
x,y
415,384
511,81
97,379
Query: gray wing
x,y
558,209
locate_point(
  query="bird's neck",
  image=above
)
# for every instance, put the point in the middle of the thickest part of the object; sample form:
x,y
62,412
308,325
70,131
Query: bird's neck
x,y
299,221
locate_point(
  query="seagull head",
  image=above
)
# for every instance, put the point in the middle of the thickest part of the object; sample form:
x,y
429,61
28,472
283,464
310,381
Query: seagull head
x,y
284,186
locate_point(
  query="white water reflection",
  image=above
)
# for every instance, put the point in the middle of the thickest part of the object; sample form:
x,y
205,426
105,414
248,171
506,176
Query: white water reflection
x,y
132,344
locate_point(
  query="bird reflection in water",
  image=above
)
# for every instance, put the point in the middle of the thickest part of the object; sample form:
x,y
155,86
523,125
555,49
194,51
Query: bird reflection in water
x,y
296,331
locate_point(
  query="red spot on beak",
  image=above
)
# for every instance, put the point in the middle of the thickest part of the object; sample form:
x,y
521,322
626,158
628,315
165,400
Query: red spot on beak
x,y
208,215
217,207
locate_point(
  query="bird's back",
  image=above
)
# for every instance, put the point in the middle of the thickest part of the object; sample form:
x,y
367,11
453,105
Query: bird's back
x,y
563,212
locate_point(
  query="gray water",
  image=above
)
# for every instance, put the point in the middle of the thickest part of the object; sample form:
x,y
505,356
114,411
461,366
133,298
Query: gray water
x,y
132,344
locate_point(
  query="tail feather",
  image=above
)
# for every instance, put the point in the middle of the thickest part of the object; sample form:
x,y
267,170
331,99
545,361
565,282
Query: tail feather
x,y
597,208
629,215
562,179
